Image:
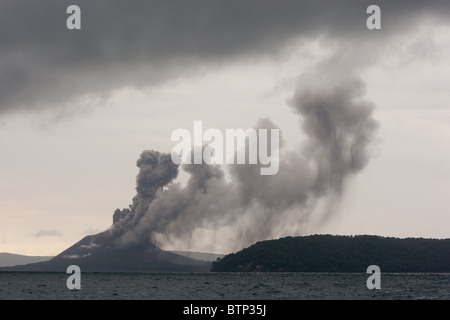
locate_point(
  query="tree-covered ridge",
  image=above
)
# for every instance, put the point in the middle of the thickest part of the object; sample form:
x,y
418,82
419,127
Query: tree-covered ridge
x,y
328,253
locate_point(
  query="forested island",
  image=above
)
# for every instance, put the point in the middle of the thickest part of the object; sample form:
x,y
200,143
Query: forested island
x,y
328,253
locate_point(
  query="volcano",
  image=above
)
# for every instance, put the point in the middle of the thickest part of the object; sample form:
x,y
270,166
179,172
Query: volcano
x,y
99,253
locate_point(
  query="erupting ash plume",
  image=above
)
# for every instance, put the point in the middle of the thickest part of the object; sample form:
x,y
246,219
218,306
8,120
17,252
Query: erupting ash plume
x,y
245,205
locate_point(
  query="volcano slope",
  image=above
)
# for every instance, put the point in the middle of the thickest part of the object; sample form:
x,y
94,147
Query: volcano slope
x,y
99,253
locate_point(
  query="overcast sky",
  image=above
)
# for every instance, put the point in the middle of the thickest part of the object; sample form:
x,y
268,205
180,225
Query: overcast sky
x,y
77,107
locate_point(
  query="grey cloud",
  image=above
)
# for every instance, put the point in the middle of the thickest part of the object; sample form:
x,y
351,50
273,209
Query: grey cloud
x,y
144,43
47,233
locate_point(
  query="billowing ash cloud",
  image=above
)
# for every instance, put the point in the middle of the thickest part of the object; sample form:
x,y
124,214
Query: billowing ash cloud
x,y
156,171
340,129
144,43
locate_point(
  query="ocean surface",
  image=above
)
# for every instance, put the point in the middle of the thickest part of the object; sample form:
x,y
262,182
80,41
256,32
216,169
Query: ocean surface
x,y
231,286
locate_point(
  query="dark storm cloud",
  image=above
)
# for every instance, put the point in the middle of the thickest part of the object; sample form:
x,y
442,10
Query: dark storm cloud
x,y
143,43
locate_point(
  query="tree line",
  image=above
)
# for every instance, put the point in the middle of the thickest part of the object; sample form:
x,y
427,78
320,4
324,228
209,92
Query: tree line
x,y
330,253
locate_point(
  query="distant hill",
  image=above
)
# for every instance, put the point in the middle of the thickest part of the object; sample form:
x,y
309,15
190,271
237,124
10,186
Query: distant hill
x,y
11,259
327,253
98,253
204,256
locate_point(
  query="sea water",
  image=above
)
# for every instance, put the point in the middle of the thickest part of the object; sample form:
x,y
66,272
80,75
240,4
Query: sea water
x,y
207,286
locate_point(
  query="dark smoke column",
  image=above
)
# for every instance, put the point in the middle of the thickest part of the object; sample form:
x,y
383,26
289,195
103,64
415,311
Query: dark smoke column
x,y
156,171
